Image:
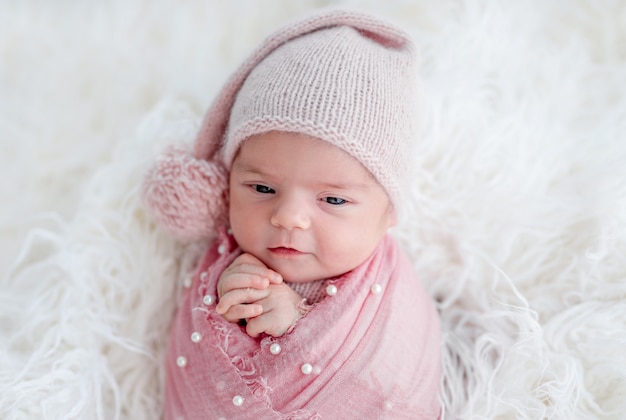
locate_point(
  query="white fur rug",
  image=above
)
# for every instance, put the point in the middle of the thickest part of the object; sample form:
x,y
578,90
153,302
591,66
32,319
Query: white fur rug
x,y
517,221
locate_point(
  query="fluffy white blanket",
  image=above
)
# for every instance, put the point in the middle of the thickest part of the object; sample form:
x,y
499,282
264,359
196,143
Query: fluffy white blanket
x,y
517,221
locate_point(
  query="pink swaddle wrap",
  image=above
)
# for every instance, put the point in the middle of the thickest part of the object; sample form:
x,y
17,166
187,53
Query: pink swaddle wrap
x,y
372,350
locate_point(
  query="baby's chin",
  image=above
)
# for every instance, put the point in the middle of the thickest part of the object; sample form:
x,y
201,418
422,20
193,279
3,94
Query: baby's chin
x,y
305,269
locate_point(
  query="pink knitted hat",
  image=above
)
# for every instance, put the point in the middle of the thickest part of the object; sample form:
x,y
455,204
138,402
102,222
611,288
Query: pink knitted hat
x,y
346,78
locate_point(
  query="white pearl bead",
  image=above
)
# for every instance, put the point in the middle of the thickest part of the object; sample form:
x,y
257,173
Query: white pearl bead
x,y
307,369
238,400
187,282
221,249
376,289
196,337
203,275
275,348
181,361
208,300
331,290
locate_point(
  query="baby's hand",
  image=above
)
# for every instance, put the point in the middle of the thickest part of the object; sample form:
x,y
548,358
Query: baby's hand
x,y
241,285
281,310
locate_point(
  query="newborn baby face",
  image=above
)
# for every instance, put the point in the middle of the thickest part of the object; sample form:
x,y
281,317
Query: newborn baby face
x,y
304,207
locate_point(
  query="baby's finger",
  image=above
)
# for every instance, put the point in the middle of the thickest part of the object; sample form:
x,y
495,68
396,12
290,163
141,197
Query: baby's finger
x,y
255,269
274,277
242,276
243,311
268,324
246,259
240,296
242,280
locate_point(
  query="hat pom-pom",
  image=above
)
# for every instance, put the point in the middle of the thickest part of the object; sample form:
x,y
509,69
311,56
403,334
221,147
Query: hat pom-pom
x,y
187,196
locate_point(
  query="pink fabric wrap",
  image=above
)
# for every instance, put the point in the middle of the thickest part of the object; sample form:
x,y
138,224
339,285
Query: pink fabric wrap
x,y
371,351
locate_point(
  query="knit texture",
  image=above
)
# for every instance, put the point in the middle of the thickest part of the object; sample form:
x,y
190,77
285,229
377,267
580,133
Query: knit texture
x,y
312,291
353,88
344,77
187,196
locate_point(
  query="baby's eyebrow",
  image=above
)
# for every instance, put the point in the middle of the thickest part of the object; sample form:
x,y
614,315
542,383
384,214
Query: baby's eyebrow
x,y
345,185
323,184
250,169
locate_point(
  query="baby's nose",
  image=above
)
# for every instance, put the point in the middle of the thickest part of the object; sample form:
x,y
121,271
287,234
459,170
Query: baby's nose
x,y
291,213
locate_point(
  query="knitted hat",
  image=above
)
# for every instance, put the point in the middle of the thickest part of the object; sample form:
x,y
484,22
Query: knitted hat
x,y
346,78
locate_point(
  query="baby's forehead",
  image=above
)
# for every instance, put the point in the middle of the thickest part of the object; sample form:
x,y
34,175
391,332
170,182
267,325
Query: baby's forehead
x,y
275,152
299,145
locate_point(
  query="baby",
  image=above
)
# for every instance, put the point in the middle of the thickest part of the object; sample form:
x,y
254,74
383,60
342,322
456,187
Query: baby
x,y
308,210
303,307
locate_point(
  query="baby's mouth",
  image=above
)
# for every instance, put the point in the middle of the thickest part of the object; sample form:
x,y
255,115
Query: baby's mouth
x,y
284,251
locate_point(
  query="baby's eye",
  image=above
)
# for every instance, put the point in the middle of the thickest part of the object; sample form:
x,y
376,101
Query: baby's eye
x,y
335,201
263,189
